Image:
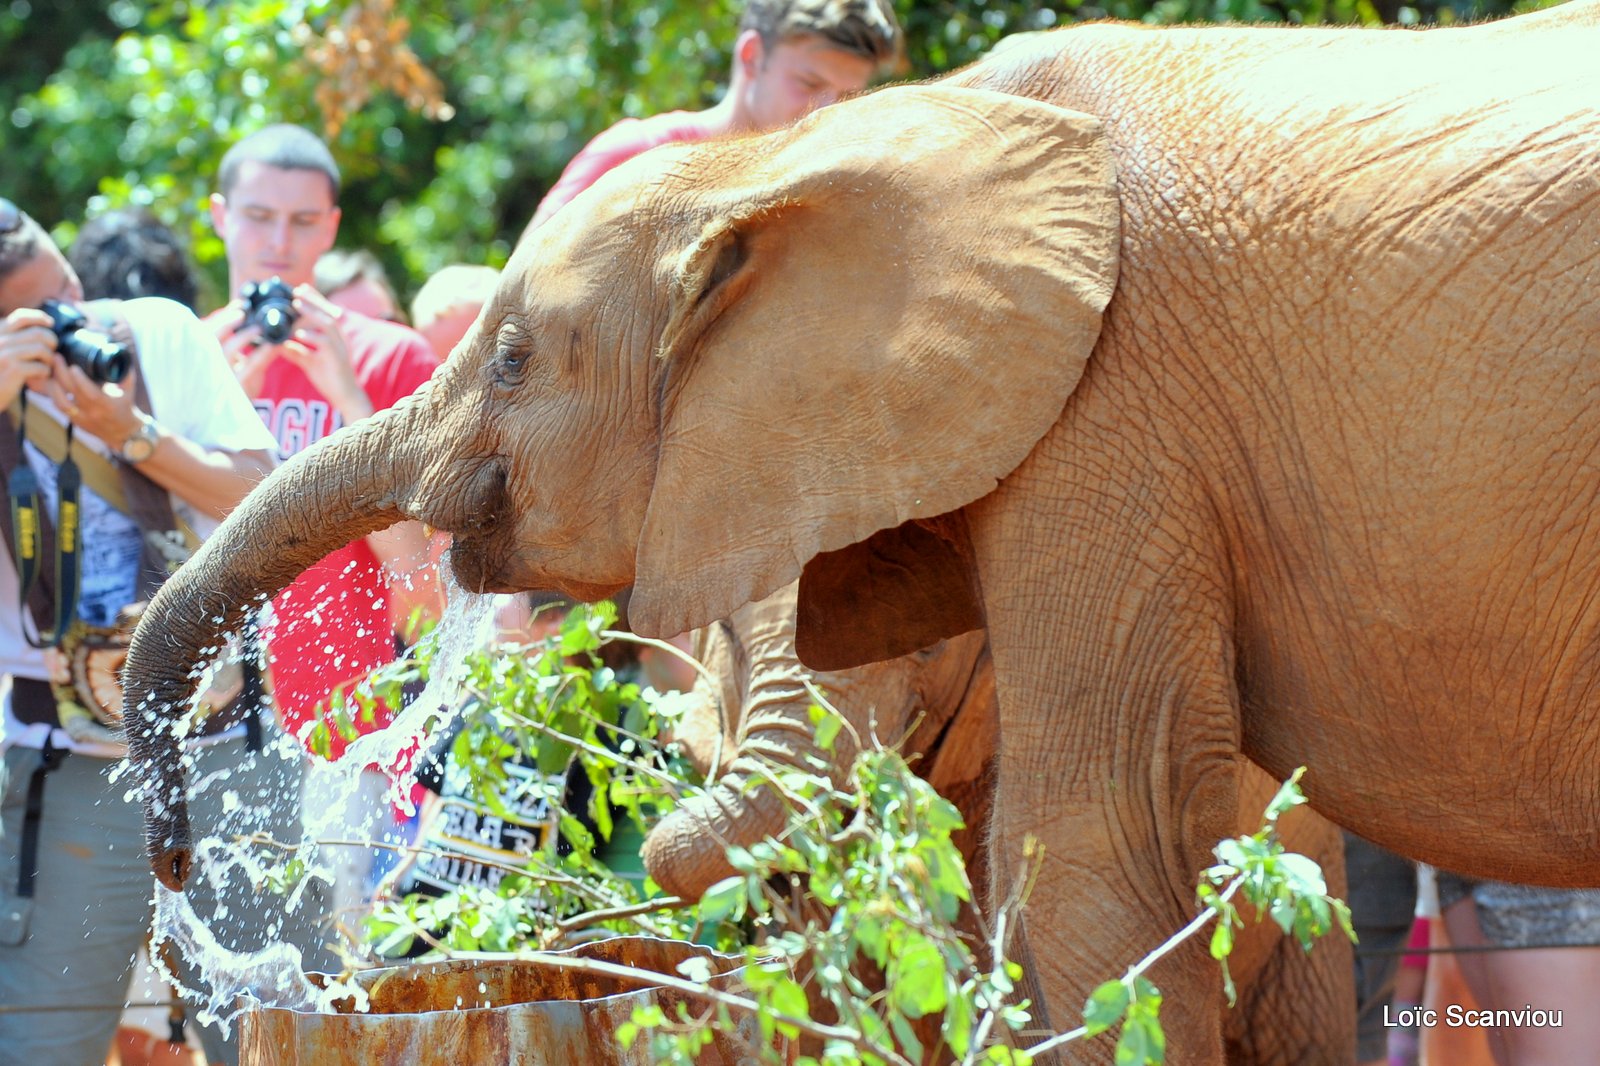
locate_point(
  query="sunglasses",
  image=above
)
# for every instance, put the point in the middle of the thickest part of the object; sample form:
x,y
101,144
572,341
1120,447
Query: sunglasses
x,y
10,216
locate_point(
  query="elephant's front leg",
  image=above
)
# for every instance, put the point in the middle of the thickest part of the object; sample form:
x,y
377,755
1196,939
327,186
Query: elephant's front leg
x,y
1118,733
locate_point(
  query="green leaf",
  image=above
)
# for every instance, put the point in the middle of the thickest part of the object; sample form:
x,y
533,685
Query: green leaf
x,y
1302,875
1105,1007
917,982
785,996
723,900
868,932
958,1021
1142,1042
1222,940
1146,996
905,1037
1288,796
828,731
697,968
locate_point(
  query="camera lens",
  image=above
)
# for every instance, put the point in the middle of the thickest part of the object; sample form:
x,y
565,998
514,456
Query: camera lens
x,y
276,321
105,361
101,358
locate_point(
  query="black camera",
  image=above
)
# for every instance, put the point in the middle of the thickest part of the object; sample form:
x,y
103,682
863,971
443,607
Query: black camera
x,y
104,360
270,305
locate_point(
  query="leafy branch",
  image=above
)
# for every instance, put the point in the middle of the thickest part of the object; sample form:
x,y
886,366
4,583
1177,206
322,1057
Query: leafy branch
x,y
855,925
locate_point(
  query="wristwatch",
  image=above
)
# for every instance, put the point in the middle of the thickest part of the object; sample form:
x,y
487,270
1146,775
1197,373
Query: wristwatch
x,y
141,445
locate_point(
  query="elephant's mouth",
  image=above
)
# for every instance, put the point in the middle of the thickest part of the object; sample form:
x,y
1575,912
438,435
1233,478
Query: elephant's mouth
x,y
477,570
487,555
480,531
484,567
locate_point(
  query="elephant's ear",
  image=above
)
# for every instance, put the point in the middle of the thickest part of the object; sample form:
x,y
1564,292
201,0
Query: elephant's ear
x,y
872,318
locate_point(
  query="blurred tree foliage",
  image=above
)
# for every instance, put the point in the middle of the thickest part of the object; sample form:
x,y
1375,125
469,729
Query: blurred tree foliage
x,y
449,117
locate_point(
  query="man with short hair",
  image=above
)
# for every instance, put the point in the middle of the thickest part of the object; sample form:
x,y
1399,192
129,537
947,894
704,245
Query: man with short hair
x,y
179,433
790,58
276,209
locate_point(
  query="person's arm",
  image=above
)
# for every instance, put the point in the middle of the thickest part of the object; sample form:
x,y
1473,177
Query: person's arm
x,y
212,480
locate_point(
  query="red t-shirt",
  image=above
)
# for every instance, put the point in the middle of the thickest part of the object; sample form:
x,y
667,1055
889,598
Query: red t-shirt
x,y
331,626
617,145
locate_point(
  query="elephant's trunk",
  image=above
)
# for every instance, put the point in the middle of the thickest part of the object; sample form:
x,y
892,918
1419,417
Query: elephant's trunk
x,y
947,693
362,480
686,852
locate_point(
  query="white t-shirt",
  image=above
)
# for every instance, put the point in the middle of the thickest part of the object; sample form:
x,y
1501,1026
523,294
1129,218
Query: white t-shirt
x,y
194,394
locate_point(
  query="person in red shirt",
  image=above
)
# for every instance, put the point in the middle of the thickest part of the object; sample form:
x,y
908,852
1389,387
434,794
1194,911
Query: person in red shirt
x,y
791,57
276,209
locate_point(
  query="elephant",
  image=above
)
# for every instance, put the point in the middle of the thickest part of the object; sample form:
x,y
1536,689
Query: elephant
x,y
1238,381
750,710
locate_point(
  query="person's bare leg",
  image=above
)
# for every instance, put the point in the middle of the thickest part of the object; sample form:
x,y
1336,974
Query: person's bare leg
x,y
1405,1040
1446,986
1550,980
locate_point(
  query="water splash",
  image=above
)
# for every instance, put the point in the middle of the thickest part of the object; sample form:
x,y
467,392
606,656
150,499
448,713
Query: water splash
x,y
273,975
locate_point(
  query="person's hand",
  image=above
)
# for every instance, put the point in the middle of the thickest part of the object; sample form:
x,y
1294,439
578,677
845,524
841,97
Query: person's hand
x,y
27,348
242,347
58,666
106,411
318,347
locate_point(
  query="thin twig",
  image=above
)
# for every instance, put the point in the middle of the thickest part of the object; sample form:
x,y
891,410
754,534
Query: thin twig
x,y
575,884
649,906
414,929
698,991
517,717
997,949
663,645
827,705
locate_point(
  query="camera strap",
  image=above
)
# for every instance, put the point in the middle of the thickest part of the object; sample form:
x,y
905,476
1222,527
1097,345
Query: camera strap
x,y
28,540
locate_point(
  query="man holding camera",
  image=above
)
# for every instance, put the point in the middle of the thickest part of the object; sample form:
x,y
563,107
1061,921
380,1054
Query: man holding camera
x,y
276,209
311,368
135,400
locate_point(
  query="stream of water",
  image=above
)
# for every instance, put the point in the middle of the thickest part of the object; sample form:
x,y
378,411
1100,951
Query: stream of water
x,y
272,973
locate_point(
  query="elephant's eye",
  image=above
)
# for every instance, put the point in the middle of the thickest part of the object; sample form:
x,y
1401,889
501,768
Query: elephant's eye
x,y
509,363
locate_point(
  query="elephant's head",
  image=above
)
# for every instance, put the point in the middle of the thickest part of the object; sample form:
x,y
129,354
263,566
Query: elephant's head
x,y
753,706
720,361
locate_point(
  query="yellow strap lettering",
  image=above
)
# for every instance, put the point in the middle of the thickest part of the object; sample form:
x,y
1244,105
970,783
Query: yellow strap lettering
x,y
69,526
27,532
